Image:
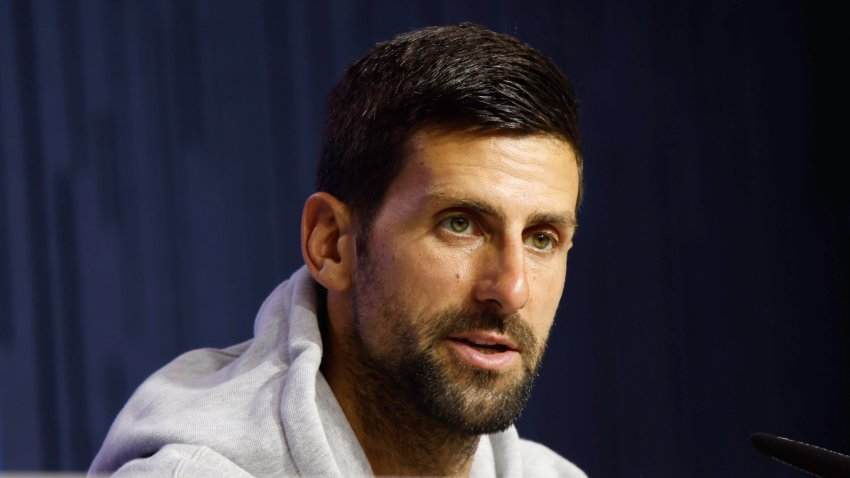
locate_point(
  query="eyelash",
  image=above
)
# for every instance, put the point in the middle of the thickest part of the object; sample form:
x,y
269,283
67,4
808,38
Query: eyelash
x,y
470,224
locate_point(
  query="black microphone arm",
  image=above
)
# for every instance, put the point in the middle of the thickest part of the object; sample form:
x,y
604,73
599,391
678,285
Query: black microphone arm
x,y
815,460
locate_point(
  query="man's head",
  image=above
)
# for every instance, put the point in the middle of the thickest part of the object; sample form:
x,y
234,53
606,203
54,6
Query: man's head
x,y
449,182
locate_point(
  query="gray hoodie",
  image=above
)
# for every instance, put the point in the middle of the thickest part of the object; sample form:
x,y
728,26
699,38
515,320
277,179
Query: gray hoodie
x,y
262,408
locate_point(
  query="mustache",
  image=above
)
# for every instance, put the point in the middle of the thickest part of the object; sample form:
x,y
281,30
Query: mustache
x,y
458,320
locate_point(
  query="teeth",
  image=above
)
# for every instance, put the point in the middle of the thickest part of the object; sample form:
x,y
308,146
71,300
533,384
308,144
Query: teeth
x,y
479,342
487,345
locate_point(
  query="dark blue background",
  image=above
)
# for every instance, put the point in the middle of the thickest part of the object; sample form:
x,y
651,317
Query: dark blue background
x,y
155,155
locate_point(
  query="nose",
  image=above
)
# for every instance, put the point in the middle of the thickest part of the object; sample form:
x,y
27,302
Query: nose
x,y
502,280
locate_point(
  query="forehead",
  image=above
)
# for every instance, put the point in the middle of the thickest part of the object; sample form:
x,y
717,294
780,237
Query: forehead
x,y
531,172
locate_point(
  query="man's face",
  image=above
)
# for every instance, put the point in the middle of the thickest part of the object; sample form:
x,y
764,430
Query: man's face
x,y
464,268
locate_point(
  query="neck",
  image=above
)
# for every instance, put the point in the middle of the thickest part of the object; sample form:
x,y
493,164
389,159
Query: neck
x,y
396,437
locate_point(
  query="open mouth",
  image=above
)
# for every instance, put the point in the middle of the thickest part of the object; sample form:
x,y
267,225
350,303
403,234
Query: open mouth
x,y
484,347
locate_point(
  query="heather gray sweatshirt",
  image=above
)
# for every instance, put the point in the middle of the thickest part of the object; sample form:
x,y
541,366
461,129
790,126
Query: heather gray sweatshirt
x,y
262,408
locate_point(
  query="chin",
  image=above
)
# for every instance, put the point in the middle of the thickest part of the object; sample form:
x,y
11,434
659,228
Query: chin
x,y
468,399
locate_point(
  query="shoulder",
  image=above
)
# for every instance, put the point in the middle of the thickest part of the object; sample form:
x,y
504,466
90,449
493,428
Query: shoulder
x,y
202,401
540,461
197,366
182,461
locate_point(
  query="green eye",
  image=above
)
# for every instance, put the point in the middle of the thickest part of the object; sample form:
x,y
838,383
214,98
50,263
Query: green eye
x,y
541,241
457,224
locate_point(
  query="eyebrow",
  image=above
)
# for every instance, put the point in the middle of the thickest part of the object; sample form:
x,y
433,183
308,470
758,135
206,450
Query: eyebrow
x,y
565,219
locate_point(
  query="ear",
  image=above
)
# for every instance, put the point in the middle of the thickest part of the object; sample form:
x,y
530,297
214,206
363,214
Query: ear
x,y
328,241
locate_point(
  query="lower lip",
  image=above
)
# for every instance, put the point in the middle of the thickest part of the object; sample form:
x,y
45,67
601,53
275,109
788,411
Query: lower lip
x,y
489,361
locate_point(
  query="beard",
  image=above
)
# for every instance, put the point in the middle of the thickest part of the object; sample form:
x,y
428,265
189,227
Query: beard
x,y
417,367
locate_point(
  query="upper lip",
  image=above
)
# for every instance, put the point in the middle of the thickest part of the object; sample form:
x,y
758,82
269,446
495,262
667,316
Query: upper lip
x,y
485,338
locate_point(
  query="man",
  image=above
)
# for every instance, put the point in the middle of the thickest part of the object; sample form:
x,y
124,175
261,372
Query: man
x,y
435,251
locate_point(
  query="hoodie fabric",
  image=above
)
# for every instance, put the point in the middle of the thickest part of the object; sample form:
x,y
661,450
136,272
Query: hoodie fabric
x,y
262,408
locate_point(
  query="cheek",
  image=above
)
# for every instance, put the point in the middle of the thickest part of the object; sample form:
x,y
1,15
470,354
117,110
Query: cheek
x,y
432,273
408,285
547,286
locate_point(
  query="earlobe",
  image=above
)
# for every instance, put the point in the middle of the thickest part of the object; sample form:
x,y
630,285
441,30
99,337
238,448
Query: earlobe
x,y
327,241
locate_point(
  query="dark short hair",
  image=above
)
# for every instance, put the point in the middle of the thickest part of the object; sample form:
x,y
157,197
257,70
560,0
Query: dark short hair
x,y
458,76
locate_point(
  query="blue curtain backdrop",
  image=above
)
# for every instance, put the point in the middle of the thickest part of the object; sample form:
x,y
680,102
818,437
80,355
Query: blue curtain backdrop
x,y
155,155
